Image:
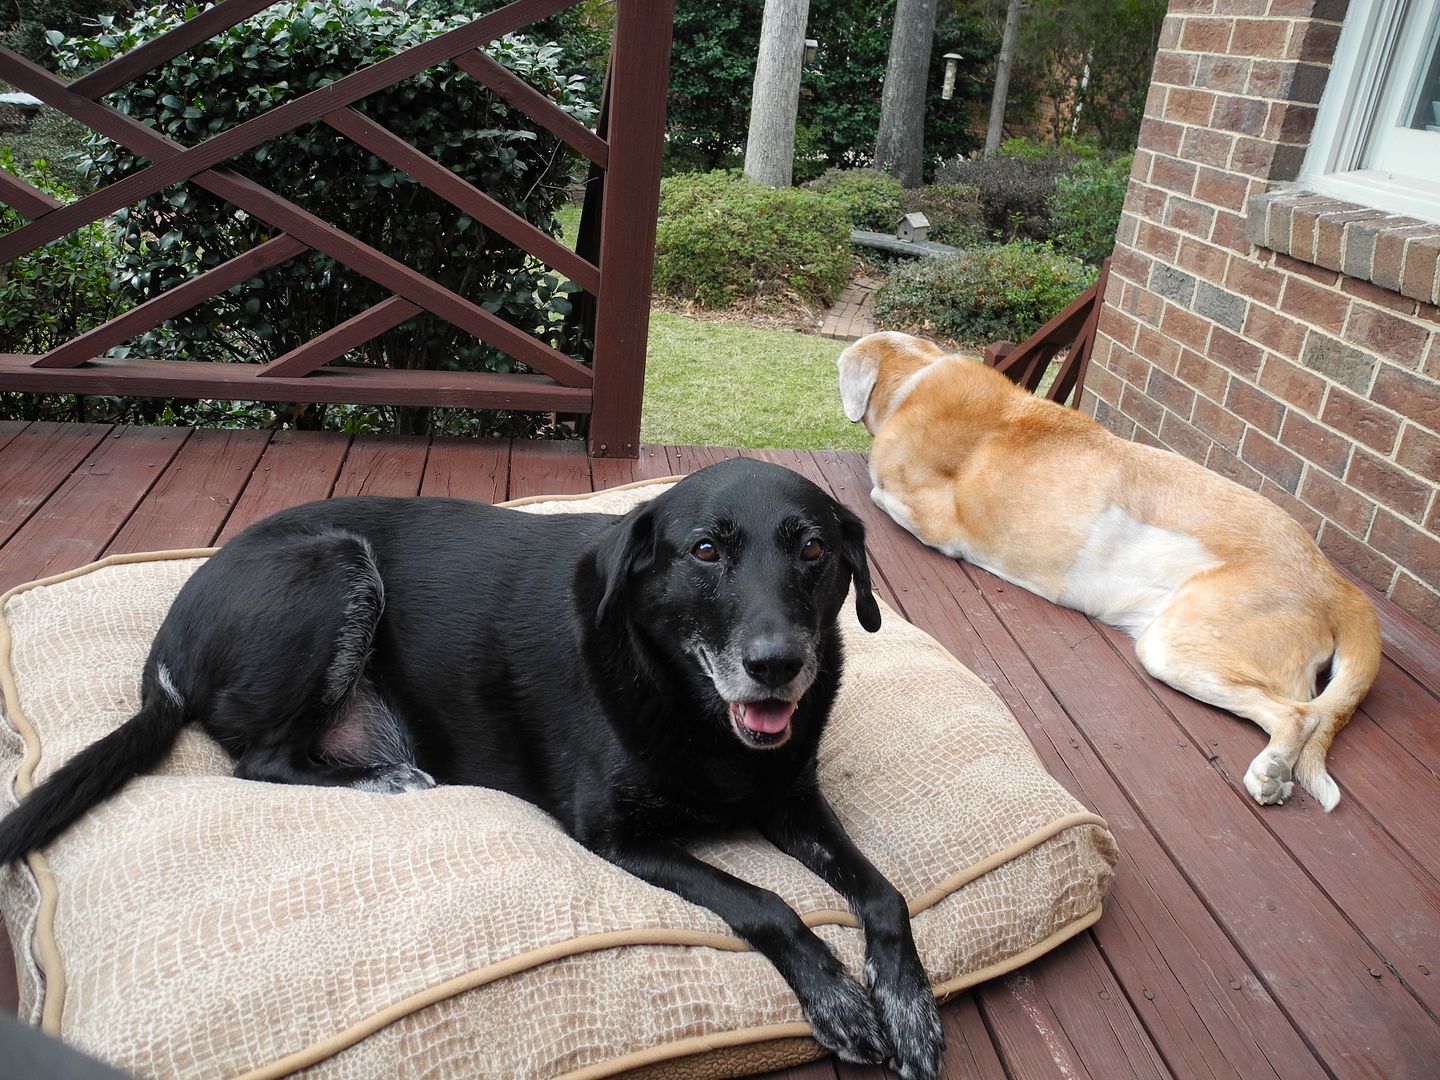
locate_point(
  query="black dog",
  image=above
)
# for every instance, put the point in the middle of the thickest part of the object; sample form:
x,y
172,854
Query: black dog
x,y
645,679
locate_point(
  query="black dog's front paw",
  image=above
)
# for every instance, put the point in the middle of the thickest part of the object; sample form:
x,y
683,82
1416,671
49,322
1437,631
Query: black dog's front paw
x,y
841,1015
908,1015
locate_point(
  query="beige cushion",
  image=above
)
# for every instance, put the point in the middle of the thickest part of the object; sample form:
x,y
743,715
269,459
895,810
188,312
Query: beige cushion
x,y
199,925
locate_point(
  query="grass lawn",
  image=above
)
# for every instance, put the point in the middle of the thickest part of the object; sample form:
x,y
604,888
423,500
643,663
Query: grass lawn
x,y
727,384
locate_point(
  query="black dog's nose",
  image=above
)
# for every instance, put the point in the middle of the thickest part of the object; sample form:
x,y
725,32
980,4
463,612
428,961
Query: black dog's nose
x,y
773,662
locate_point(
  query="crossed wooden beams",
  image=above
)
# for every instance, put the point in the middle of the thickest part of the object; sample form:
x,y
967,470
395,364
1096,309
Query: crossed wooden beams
x,y
298,229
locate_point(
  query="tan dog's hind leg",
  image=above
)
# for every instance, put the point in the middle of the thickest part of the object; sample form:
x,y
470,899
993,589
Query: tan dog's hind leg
x,y
1221,643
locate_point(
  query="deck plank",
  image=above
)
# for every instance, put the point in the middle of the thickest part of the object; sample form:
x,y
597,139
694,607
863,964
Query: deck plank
x,y
653,463
190,502
75,524
1311,959
477,469
383,465
297,467
35,461
549,467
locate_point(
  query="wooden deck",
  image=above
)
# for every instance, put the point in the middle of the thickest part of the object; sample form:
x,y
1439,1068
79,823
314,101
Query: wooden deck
x,y
1239,941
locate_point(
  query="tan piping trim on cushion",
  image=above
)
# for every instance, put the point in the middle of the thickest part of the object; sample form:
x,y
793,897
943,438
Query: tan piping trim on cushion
x,y
529,500
52,965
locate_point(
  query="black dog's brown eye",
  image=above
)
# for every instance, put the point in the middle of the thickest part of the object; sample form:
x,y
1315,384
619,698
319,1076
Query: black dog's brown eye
x,y
812,549
705,551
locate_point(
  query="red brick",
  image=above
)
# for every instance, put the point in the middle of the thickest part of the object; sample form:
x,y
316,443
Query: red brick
x,y
1185,326
1394,338
1173,175
1348,509
1361,420
1289,121
1184,439
1203,374
1242,115
1223,426
1316,42
1202,259
1389,262
1330,235
1156,347
1235,353
1253,157
1172,393
1304,228
1316,304
1259,37
1114,420
1162,136
1364,562
1389,486
1229,232
1419,600
1145,437
1189,216
1408,394
1145,201
1223,74
1104,384
1254,280
1176,69
1205,35
1272,459
1189,106
1206,146
1294,384
1316,444
1309,520
1291,265
1419,452
1385,298
1276,332
1407,545
1420,276
1255,406
1232,468
1157,241
1116,324
1170,35
1140,408
1431,366
1270,77
1221,189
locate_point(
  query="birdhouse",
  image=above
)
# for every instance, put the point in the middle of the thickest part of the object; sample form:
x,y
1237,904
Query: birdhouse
x,y
913,227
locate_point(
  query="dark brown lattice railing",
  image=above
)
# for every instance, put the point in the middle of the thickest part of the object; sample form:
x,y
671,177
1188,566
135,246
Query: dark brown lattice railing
x,y
612,264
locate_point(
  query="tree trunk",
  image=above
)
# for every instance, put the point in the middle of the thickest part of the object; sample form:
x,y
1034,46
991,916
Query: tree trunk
x,y
1002,78
900,141
770,147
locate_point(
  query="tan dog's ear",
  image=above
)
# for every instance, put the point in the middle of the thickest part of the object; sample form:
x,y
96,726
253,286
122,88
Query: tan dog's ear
x,y
858,372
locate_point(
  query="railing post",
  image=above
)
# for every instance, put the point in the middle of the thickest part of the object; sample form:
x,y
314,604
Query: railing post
x,y
640,79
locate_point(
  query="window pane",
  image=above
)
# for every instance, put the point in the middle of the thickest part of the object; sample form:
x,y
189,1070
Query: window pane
x,y
1425,115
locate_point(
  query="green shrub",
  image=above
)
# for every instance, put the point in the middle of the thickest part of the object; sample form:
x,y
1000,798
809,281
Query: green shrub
x,y
1086,207
871,199
722,240
59,142
276,56
1014,192
61,289
996,292
953,210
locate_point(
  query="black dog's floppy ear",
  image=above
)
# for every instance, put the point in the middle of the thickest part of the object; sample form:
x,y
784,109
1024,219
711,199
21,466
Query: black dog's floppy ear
x,y
627,549
852,550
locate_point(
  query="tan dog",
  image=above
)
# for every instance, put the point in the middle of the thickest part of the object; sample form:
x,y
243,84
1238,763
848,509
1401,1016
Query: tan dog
x,y
1228,598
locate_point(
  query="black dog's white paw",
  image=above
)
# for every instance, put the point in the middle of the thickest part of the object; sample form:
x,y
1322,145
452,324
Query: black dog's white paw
x,y
843,1020
909,1017
396,780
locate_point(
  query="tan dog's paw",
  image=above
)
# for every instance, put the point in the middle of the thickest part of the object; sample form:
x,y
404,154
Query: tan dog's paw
x,y
1268,778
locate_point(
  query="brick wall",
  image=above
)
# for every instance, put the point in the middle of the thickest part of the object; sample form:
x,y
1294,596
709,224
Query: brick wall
x,y
1289,342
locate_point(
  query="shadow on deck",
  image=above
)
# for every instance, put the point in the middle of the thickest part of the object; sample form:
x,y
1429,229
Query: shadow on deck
x,y
1239,941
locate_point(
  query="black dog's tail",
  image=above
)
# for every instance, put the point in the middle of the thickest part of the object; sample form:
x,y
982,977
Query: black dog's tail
x,y
91,777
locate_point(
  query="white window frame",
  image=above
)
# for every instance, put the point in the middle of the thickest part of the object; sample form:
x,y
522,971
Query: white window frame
x,y
1375,65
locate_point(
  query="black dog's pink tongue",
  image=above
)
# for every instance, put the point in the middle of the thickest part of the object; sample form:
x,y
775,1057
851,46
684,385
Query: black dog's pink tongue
x,y
765,717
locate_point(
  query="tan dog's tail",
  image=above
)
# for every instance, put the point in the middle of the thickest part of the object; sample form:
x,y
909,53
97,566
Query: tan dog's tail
x,y
1352,671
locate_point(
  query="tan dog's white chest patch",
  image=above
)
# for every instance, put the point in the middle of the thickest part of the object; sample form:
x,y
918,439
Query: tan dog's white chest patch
x,y
1126,571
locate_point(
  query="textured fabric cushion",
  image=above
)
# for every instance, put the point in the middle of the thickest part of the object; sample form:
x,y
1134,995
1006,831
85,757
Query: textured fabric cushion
x,y
199,925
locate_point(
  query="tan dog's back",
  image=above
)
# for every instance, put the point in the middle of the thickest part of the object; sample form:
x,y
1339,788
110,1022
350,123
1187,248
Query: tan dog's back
x,y
1230,600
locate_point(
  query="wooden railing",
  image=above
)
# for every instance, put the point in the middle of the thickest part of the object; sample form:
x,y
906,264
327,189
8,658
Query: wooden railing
x,y
613,263
1074,327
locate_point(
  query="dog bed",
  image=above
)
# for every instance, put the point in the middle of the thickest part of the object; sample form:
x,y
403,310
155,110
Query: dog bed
x,y
199,925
